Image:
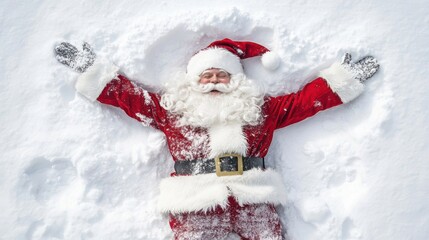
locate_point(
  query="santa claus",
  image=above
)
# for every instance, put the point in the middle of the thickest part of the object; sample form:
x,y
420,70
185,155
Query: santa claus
x,y
218,127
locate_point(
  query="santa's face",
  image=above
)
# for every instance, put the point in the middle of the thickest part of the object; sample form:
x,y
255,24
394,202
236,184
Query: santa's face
x,y
214,76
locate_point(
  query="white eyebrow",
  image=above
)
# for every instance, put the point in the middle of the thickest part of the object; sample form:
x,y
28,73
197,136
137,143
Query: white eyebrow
x,y
207,70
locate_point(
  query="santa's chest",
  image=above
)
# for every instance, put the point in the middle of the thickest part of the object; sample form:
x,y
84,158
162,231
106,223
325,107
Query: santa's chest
x,y
189,143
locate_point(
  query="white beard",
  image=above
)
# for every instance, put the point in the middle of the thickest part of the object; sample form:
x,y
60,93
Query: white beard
x,y
239,102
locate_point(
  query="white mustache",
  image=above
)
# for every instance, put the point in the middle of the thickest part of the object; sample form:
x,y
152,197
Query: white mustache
x,y
208,87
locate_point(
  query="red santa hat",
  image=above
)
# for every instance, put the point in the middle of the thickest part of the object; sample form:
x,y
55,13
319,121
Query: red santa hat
x,y
227,54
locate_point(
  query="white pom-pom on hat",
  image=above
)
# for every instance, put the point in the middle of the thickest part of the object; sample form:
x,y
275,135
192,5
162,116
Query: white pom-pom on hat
x,y
270,60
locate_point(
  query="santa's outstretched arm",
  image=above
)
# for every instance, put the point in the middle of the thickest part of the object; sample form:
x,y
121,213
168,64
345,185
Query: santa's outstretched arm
x,y
100,80
338,84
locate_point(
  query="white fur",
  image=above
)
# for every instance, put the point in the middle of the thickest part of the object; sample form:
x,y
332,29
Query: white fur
x,y
270,60
204,192
92,82
227,138
342,82
204,110
214,58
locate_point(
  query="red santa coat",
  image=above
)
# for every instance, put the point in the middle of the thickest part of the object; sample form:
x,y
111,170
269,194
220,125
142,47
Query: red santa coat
x,y
201,192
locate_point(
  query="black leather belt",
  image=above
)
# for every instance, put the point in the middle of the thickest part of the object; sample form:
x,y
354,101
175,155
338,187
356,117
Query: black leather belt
x,y
225,165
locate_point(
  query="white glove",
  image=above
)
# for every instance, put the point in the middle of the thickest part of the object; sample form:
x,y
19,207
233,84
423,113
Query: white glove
x,y
363,69
69,55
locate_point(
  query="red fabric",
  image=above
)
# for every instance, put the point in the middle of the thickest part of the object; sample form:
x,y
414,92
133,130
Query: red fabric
x,y
242,49
250,222
188,143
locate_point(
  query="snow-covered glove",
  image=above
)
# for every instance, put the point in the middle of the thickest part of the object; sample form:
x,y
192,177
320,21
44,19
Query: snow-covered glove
x,y
363,69
69,55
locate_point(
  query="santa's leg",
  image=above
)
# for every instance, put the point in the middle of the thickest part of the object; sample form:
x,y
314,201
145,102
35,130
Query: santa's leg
x,y
256,221
213,224
251,222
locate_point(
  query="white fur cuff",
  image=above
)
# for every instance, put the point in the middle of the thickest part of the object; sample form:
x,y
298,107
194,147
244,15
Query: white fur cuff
x,y
92,82
342,82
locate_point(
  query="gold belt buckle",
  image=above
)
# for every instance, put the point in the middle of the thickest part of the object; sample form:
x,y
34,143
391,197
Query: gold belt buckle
x,y
218,163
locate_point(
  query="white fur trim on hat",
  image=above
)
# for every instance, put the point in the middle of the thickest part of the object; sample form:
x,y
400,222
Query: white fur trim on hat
x,y
342,82
92,82
214,58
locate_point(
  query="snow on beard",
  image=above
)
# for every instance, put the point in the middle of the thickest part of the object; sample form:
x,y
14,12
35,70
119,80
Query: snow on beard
x,y
240,101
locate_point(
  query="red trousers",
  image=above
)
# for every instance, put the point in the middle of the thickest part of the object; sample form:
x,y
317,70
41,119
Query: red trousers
x,y
250,222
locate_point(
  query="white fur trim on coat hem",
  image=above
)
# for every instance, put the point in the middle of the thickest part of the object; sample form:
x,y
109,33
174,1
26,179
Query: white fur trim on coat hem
x,y
92,82
206,191
342,82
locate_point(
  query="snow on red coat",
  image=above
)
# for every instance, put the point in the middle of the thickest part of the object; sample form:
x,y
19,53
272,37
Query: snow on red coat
x,y
201,192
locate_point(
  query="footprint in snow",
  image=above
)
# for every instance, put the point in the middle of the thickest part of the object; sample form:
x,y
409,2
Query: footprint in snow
x,y
44,178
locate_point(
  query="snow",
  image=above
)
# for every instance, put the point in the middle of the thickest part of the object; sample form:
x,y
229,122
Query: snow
x,y
73,169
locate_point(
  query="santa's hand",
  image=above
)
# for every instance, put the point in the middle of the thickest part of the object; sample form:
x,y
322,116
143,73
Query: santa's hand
x,y
69,55
363,69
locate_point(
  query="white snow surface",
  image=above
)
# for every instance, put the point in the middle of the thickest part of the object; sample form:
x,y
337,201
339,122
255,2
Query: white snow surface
x,y
73,169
